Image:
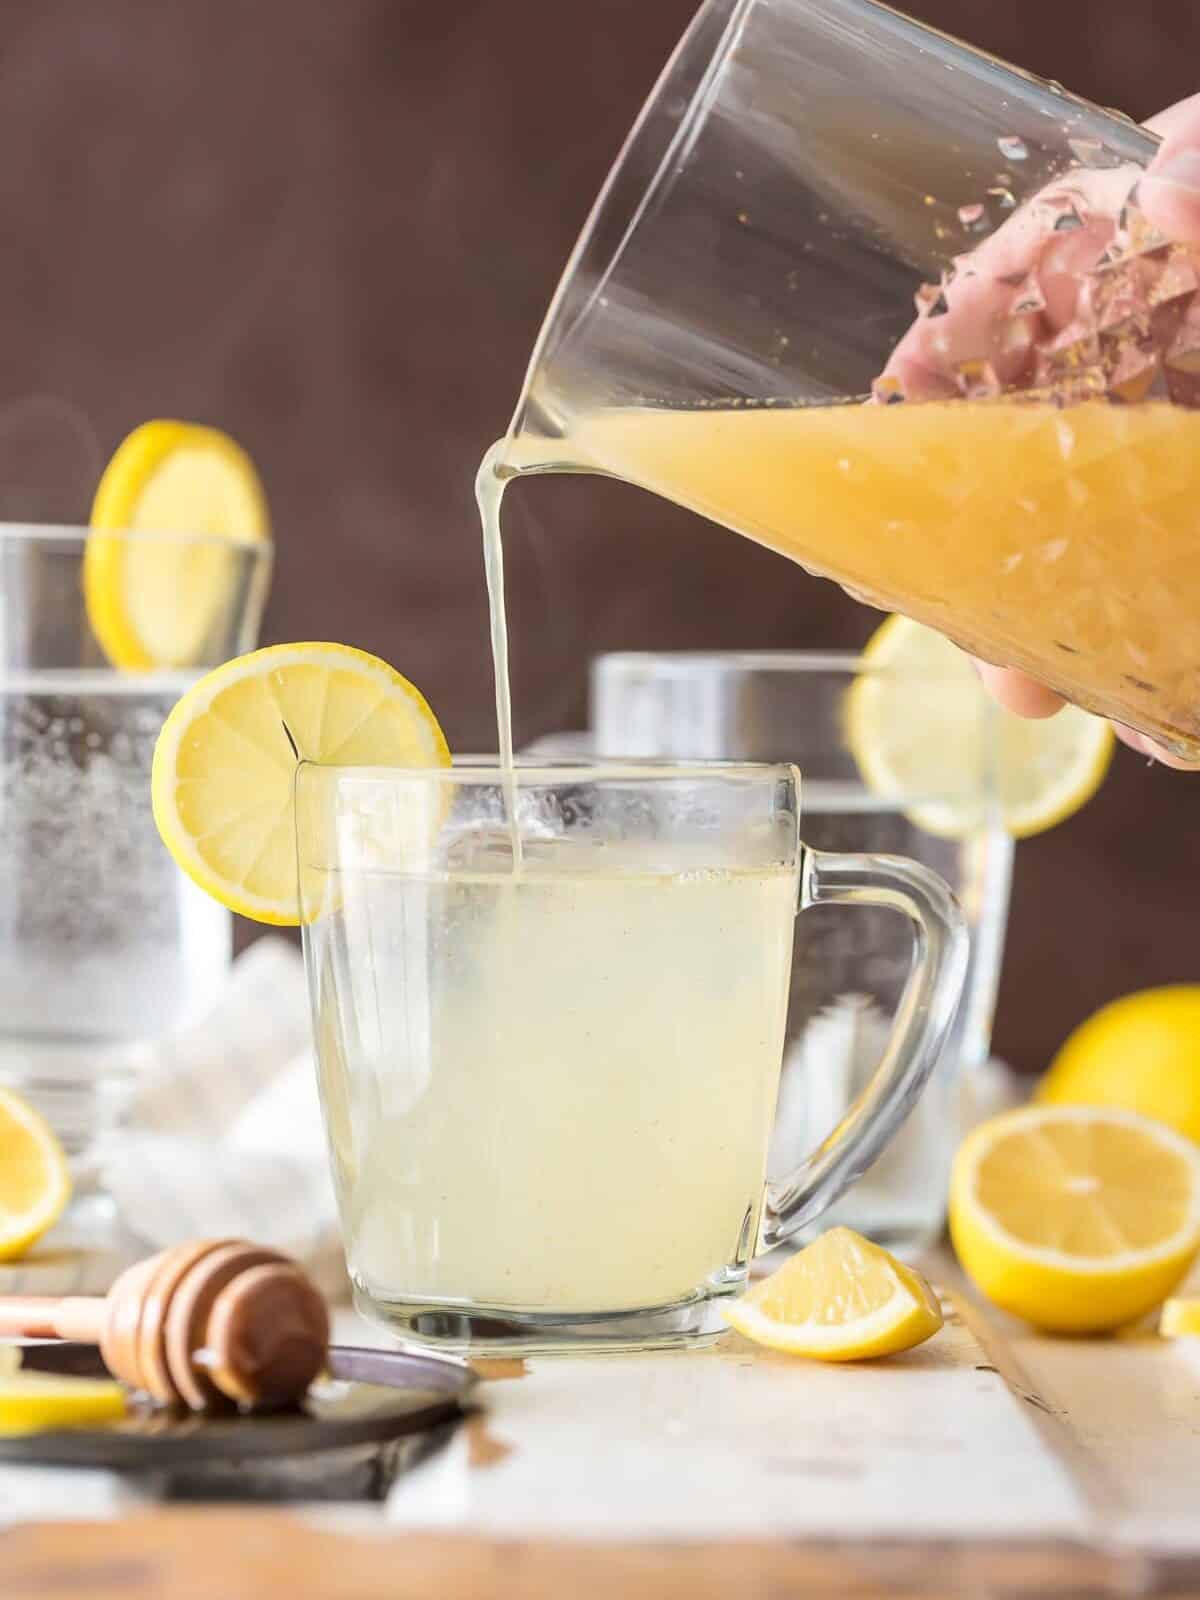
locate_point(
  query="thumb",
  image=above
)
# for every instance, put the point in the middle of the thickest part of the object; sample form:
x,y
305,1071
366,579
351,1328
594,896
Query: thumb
x,y
1169,192
1169,195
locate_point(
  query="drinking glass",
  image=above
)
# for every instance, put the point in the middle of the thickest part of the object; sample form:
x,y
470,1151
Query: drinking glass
x,y
104,944
812,186
848,972
548,1088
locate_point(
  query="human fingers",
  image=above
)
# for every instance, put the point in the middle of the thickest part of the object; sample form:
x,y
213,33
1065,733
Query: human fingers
x,y
1018,693
1147,747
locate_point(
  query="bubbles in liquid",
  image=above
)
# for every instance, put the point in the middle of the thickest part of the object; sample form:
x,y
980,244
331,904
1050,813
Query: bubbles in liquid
x,y
1012,148
100,936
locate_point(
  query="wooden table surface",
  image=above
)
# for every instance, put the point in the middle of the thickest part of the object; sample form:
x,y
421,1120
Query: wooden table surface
x,y
990,1462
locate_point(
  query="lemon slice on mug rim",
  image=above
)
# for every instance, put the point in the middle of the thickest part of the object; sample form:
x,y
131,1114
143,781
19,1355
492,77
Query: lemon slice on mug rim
x,y
223,777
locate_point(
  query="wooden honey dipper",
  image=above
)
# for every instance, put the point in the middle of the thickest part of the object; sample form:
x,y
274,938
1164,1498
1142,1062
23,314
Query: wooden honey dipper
x,y
202,1324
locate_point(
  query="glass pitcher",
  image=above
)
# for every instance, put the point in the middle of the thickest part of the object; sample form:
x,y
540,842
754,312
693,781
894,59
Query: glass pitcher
x,y
825,203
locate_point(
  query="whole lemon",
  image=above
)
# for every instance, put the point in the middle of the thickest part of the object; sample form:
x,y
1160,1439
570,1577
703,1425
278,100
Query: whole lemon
x,y
1141,1052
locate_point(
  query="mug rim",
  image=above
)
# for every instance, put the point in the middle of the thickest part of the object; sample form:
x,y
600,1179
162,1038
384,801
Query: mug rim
x,y
487,770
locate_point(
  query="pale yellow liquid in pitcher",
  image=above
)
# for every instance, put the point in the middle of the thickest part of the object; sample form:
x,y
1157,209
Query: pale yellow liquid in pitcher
x,y
572,1112
1065,541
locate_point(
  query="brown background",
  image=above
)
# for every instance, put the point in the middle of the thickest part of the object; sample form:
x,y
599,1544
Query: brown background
x,y
332,226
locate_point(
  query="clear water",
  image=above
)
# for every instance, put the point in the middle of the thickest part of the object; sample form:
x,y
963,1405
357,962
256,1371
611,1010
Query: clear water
x,y
104,944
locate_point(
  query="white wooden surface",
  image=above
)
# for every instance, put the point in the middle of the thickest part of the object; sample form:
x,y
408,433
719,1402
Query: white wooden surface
x,y
988,1432
1129,1414
1012,1437
736,1443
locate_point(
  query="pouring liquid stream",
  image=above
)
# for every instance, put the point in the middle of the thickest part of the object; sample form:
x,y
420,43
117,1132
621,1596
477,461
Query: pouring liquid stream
x,y
494,471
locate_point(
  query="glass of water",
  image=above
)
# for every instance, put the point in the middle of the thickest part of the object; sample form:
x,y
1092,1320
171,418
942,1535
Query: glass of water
x,y
105,946
849,971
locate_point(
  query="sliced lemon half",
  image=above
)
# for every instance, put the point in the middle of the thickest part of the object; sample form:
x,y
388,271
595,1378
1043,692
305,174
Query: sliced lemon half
x,y
190,497
1078,1218
35,1184
915,722
841,1298
223,777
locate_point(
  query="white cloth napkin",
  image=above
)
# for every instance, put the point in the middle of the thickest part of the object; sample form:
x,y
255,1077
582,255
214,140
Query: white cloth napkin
x,y
823,1073
224,1138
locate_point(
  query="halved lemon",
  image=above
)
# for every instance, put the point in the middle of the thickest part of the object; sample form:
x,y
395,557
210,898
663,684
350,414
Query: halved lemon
x,y
35,1184
1078,1218
31,1402
841,1298
222,782
915,720
190,497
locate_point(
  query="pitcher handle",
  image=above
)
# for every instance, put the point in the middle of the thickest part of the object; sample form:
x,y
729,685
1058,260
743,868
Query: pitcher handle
x,y
923,1020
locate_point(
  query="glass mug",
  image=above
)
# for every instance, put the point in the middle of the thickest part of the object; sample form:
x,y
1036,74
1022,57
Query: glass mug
x,y
803,172
548,1092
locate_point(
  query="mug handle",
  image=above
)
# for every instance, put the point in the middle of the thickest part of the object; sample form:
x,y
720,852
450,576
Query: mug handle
x,y
923,1020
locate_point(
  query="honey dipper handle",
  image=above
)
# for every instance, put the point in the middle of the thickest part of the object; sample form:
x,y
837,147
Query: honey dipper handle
x,y
51,1317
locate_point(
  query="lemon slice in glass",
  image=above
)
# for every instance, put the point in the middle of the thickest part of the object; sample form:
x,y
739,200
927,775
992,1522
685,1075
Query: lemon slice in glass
x,y
223,777
190,497
915,724
34,1182
841,1298
1077,1218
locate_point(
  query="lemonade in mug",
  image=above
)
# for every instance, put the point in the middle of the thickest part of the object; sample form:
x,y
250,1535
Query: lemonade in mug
x,y
549,1088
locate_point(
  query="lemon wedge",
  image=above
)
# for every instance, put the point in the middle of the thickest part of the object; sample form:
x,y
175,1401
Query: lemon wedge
x,y
841,1298
914,722
34,1182
31,1402
1077,1218
224,766
159,600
